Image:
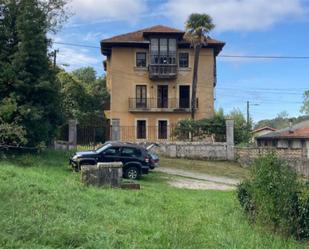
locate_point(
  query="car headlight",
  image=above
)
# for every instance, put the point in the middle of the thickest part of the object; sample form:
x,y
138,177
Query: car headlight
x,y
76,157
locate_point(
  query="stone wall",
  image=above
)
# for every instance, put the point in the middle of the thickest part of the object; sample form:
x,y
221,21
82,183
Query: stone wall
x,y
194,150
296,158
63,145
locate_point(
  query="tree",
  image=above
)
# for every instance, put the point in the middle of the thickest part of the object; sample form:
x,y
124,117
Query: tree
x,y
73,95
305,107
197,28
86,74
84,96
27,80
11,130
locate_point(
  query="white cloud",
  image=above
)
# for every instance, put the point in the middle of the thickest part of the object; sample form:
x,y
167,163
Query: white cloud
x,y
128,10
76,58
235,15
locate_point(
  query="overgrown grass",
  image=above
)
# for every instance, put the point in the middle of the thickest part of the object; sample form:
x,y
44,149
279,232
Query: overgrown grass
x,y
217,168
44,205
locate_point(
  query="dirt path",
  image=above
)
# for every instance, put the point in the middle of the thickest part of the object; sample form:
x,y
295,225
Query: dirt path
x,y
199,180
189,183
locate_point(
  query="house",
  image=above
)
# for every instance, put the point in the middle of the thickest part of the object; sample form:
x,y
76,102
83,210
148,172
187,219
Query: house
x,y
293,137
261,131
149,75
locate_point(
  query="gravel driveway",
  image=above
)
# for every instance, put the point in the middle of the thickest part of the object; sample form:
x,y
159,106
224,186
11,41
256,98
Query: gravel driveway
x,y
194,180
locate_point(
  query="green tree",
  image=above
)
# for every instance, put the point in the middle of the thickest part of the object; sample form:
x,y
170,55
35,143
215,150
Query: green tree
x,y
86,74
84,96
197,29
73,95
11,130
305,107
27,81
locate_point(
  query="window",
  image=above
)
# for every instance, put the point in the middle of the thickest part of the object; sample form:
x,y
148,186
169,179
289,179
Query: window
x,y
141,96
131,152
183,60
163,51
184,96
162,129
141,129
141,59
111,151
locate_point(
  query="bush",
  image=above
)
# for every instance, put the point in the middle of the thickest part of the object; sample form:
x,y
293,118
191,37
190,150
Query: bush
x,y
199,129
274,196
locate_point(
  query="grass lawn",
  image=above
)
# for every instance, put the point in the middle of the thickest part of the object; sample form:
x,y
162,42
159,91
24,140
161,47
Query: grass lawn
x,y
216,168
43,205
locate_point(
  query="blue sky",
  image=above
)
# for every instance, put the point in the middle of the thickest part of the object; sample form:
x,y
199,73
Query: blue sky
x,y
249,27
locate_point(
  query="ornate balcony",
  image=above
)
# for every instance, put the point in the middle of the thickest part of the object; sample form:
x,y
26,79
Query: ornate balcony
x,y
162,66
162,71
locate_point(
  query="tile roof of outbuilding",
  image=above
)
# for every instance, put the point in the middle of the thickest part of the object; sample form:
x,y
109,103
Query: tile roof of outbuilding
x,y
299,130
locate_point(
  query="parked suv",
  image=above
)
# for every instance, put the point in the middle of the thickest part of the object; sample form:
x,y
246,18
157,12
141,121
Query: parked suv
x,y
135,159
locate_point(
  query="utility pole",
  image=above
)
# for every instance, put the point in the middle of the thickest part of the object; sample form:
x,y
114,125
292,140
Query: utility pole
x,y
248,113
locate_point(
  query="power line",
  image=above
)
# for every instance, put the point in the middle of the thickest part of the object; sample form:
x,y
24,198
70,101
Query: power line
x,y
263,57
223,55
76,45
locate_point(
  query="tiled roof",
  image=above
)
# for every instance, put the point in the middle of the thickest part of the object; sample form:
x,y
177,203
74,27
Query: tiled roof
x,y
138,36
264,128
300,130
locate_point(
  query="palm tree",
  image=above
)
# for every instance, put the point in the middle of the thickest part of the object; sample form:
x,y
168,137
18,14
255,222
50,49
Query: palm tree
x,y
197,29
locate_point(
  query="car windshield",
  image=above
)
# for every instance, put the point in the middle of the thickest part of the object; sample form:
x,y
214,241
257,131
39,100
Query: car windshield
x,y
104,147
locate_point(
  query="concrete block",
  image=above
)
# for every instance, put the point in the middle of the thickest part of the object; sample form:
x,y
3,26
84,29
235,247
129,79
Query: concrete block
x,y
102,174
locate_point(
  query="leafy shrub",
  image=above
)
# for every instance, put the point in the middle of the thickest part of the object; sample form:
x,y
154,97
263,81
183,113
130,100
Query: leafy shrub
x,y
200,129
245,198
274,196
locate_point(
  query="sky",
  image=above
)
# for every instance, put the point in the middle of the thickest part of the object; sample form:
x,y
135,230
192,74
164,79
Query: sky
x,y
248,27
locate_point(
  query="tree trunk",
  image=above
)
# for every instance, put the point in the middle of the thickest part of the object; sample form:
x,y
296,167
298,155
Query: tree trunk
x,y
197,49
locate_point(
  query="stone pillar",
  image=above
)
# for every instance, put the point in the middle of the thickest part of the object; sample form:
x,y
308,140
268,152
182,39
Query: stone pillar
x,y
72,134
230,152
115,136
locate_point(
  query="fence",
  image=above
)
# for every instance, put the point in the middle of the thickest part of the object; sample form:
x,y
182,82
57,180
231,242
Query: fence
x,y
90,136
72,135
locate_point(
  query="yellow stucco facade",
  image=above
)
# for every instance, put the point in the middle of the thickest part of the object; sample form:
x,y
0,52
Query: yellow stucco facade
x,y
123,76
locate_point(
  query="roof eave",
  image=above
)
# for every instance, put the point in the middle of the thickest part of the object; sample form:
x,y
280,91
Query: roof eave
x,y
282,137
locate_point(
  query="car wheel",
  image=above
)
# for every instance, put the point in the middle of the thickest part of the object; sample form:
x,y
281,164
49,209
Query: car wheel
x,y
132,173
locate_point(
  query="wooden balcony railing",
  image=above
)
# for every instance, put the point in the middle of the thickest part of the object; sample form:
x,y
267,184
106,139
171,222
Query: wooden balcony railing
x,y
162,71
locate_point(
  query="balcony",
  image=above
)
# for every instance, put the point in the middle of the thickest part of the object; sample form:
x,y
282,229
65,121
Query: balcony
x,y
160,105
161,71
162,66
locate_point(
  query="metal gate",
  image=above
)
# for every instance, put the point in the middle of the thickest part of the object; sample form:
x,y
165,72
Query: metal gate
x,y
89,137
